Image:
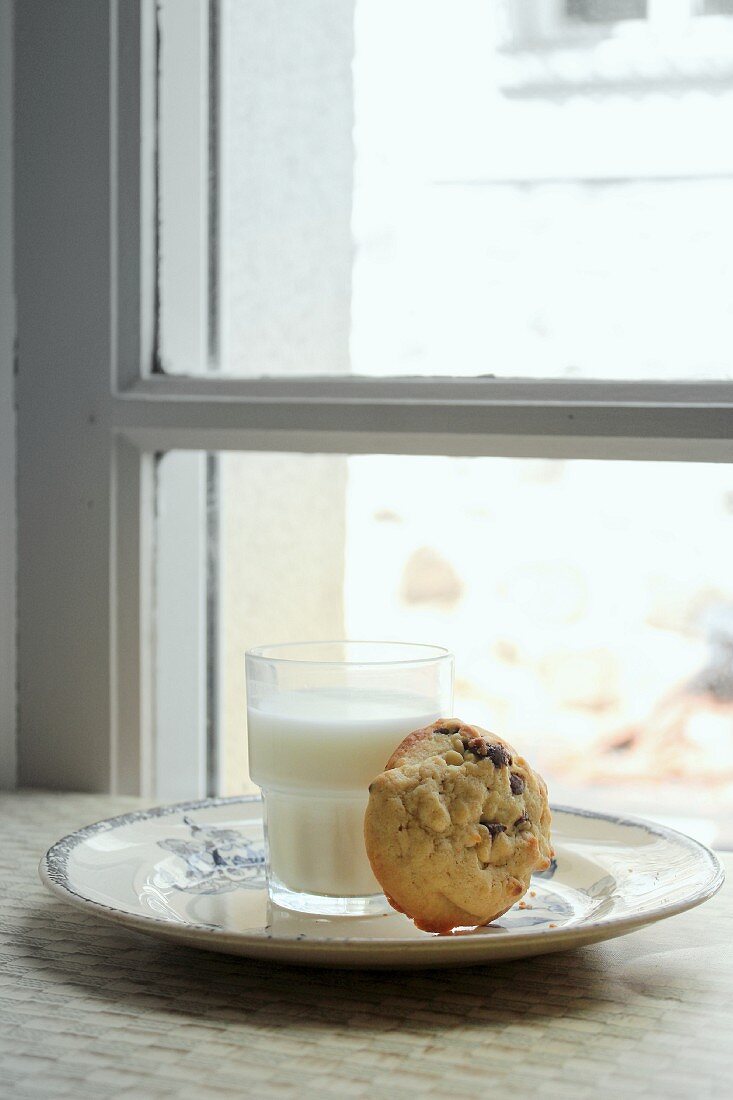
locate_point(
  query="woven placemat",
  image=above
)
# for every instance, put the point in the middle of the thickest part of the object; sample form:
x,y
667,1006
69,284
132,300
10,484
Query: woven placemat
x,y
91,1010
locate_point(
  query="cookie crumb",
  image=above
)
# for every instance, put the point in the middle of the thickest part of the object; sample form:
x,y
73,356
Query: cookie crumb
x,y
553,925
533,893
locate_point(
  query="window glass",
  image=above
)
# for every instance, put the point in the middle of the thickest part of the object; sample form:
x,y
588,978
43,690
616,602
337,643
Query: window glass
x,y
589,605
605,11
717,7
410,187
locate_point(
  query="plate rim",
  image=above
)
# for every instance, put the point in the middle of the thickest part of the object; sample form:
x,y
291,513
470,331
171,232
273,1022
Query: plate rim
x,y
53,874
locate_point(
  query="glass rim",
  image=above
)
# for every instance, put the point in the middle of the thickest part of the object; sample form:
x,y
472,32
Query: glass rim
x,y
262,653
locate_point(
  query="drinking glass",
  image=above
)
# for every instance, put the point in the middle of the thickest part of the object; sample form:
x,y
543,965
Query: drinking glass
x,y
323,718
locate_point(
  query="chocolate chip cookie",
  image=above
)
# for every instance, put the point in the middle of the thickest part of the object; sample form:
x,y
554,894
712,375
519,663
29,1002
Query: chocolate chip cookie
x,y
455,826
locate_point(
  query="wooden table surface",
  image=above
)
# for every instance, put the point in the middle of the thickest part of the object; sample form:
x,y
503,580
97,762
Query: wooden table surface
x,y
88,1009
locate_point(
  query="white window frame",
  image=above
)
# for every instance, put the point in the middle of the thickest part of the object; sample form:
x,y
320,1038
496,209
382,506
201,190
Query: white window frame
x,y
93,413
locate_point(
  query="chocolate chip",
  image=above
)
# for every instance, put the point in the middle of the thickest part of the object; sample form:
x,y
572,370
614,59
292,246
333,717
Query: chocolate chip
x,y
443,730
478,746
494,827
522,822
516,783
498,755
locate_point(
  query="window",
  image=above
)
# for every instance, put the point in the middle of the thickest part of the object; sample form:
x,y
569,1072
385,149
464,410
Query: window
x,y
350,314
436,228
554,49
605,11
716,7
589,625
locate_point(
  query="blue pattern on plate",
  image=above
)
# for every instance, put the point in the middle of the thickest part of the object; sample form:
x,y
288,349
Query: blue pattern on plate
x,y
215,860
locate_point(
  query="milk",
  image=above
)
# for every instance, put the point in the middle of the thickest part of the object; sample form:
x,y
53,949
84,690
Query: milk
x,y
315,754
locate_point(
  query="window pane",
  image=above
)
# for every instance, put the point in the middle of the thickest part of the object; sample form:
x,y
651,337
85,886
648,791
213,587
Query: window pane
x,y
421,188
589,605
605,11
717,7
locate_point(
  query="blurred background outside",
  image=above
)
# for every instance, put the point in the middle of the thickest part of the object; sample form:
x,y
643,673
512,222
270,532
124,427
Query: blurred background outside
x,y
538,189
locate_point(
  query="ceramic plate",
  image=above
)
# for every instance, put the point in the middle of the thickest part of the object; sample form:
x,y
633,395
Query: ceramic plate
x,y
193,873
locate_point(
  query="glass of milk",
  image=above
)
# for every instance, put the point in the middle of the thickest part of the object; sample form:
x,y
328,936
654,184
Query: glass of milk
x,y
323,718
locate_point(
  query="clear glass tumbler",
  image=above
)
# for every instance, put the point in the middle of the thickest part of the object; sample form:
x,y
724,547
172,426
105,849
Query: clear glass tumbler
x,y
323,718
